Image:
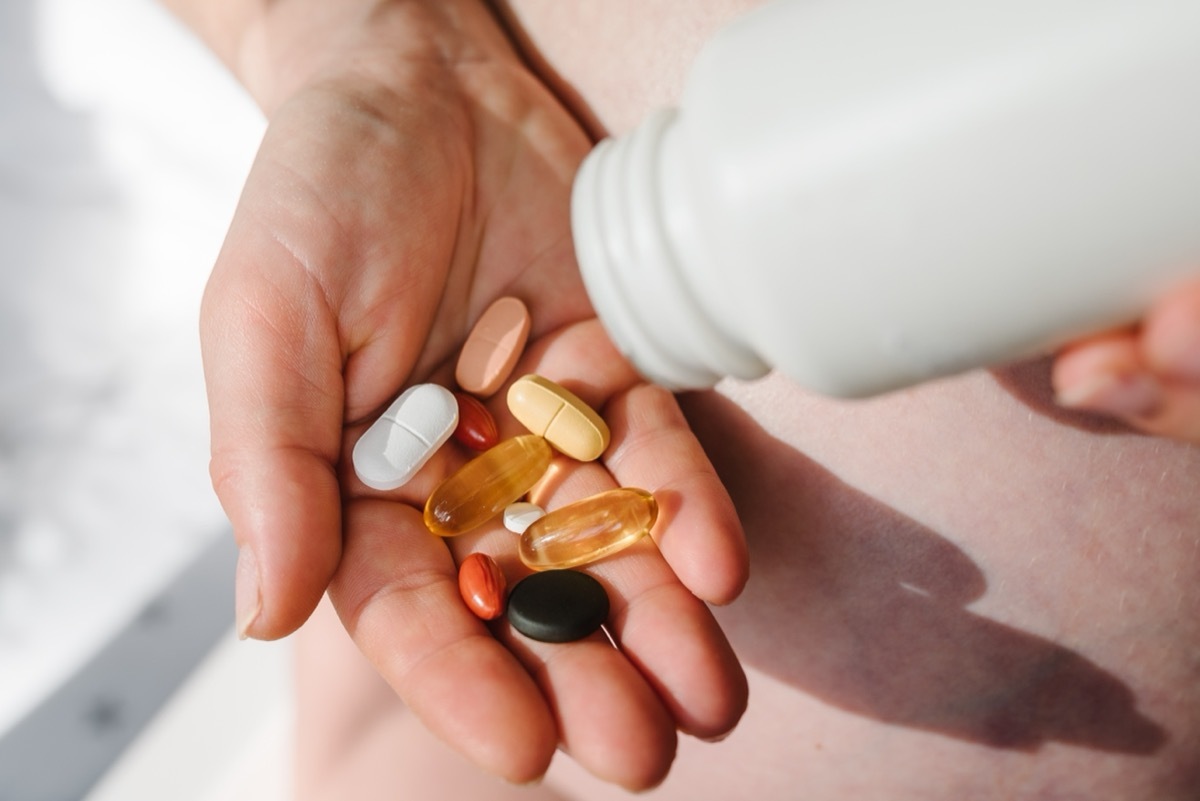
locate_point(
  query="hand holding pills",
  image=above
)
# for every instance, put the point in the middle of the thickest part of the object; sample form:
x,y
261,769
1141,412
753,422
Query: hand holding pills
x,y
377,227
471,500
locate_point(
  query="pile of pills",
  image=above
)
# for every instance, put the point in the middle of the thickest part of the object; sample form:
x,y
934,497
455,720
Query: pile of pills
x,y
555,603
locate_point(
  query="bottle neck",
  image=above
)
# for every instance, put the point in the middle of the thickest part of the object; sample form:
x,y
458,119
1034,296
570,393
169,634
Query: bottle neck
x,y
644,293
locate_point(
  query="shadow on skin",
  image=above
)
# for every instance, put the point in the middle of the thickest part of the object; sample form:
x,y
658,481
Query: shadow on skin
x,y
1029,383
874,606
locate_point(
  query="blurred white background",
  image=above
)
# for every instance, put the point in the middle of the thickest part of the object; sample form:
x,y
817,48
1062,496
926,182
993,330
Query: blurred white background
x,y
123,145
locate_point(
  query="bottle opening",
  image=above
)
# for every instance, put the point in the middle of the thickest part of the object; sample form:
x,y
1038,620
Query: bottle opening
x,y
632,273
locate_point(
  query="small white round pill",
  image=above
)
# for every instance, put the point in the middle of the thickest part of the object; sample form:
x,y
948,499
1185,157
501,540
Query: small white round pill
x,y
401,441
521,515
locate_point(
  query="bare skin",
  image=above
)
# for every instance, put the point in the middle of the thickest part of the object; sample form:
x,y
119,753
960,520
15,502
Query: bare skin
x,y
959,591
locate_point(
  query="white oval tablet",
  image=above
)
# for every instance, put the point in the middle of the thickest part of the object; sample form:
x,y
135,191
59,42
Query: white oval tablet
x,y
401,441
521,515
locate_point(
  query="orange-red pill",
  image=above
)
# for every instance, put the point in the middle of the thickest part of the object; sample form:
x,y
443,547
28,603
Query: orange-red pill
x,y
482,586
476,427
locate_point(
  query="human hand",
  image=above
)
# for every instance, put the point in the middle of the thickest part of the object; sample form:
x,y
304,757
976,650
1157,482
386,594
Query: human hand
x,y
1147,375
413,171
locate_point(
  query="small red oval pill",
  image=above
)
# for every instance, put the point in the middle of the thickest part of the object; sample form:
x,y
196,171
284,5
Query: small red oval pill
x,y
482,586
476,427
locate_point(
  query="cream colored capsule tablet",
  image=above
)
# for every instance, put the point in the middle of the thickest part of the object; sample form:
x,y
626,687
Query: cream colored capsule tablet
x,y
557,414
401,441
492,348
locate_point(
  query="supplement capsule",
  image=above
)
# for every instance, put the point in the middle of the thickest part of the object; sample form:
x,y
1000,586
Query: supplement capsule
x,y
588,530
557,414
480,489
476,427
557,606
403,439
481,584
521,515
493,347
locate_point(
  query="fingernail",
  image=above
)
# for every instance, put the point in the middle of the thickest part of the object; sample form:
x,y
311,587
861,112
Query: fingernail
x,y
1130,395
248,603
537,781
716,738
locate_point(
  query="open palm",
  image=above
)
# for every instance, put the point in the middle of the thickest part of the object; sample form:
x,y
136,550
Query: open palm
x,y
417,172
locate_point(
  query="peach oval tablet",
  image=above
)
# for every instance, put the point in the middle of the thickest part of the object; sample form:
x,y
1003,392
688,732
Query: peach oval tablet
x,y
401,441
556,413
493,347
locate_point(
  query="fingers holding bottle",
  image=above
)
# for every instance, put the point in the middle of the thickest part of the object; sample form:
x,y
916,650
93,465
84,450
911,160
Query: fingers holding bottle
x,y
1146,375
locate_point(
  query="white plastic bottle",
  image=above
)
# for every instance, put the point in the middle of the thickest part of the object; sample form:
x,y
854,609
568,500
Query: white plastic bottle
x,y
865,194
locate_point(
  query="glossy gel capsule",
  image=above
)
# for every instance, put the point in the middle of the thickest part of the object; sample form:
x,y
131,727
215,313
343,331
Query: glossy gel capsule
x,y
589,529
480,489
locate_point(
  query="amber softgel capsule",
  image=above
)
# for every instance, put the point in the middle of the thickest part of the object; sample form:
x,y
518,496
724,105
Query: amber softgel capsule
x,y
587,530
480,489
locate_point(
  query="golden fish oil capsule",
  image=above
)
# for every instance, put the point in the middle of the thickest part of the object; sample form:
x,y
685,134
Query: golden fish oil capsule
x,y
480,489
588,530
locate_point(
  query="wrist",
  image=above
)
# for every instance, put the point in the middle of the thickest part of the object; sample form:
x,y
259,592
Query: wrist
x,y
220,24
275,47
281,49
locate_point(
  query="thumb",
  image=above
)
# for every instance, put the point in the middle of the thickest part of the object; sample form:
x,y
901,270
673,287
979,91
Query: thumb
x,y
272,367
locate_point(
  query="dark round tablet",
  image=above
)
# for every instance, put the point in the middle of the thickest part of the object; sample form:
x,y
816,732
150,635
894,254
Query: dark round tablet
x,y
557,605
